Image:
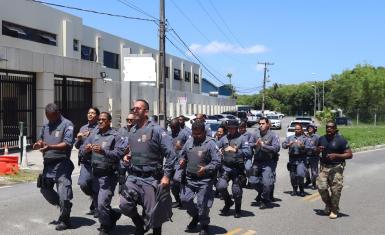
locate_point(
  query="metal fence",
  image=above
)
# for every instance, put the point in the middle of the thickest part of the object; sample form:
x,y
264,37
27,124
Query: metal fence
x,y
74,98
17,104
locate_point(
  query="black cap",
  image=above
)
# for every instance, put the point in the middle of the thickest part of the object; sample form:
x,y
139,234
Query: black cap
x,y
232,123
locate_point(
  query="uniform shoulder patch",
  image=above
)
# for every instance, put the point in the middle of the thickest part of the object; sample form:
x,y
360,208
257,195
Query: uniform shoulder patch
x,y
70,127
163,133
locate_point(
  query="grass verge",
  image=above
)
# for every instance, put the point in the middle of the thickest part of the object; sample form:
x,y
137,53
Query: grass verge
x,y
361,135
21,177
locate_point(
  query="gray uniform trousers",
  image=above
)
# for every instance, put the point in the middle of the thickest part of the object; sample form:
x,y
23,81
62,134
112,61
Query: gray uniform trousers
x,y
59,174
107,186
88,183
297,171
263,178
138,191
202,188
223,182
313,164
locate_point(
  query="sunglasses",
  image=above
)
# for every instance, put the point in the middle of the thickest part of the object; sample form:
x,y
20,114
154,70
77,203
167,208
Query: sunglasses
x,y
129,120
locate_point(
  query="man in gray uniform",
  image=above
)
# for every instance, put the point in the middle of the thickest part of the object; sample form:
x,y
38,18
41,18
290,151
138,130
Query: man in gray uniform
x,y
236,149
200,158
312,154
179,138
297,159
149,179
88,184
105,147
202,117
247,135
55,142
262,175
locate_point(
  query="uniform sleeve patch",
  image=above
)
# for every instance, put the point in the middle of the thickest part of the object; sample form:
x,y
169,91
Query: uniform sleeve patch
x,y
163,133
70,127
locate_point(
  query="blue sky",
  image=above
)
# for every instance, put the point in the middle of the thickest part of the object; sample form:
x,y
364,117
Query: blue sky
x,y
306,40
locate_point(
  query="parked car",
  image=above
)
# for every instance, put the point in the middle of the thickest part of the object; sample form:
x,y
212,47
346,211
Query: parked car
x,y
252,119
304,118
343,121
275,121
290,128
214,127
242,115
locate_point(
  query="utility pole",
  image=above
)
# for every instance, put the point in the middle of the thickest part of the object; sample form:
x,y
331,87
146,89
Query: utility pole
x,y
162,101
264,85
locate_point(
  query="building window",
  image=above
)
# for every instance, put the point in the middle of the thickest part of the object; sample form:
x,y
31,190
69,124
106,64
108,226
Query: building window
x,y
167,72
176,74
111,60
88,53
187,76
76,45
22,32
196,78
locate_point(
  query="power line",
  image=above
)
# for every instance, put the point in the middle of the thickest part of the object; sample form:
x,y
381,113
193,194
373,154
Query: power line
x,y
224,22
212,19
199,31
132,6
92,11
196,57
183,53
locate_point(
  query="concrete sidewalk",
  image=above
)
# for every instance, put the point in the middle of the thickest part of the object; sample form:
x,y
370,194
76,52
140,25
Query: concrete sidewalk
x,y
35,160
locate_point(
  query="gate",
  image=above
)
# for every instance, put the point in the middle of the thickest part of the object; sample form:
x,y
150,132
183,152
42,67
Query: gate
x,y
74,98
17,104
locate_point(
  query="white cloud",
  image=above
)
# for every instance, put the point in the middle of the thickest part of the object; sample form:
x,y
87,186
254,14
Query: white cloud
x,y
260,67
222,47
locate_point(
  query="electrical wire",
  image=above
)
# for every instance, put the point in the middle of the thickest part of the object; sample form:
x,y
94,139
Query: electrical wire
x,y
92,11
132,6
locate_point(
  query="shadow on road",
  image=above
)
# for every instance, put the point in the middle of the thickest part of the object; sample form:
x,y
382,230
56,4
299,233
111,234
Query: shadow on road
x,y
77,222
123,229
212,228
320,212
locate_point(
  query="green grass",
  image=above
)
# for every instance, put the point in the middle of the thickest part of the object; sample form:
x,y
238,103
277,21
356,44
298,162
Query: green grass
x,y
21,177
361,135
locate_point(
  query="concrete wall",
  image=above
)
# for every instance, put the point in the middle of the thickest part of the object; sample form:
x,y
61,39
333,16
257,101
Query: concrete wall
x,y
114,96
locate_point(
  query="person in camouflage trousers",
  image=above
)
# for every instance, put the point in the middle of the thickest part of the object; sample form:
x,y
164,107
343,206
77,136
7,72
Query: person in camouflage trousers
x,y
334,151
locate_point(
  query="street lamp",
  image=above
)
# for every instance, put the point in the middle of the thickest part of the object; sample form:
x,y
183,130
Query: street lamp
x,y
315,99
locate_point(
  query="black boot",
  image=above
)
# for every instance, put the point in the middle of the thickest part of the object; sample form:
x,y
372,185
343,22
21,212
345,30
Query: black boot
x,y
115,216
139,224
193,223
238,211
228,203
104,230
314,187
294,192
157,231
301,192
64,219
204,230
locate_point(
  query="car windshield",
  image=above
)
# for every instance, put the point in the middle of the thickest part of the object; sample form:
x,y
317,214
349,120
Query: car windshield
x,y
214,126
303,118
272,117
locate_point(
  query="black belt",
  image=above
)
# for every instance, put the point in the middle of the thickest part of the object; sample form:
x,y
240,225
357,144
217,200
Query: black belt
x,y
194,176
143,174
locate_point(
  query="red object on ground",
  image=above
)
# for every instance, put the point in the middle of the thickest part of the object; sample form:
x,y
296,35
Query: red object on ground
x,y
9,165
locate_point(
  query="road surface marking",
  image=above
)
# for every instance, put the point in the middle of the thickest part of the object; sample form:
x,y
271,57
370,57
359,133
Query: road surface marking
x,y
233,231
249,232
7,186
310,197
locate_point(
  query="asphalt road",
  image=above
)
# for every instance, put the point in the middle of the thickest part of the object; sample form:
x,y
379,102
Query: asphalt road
x,y
24,211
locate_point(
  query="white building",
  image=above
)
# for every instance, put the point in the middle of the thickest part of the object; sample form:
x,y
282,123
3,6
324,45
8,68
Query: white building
x,y
47,55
